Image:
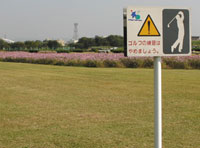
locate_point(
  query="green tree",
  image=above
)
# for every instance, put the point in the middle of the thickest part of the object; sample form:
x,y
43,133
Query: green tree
x,y
3,44
85,42
100,41
30,44
18,46
53,44
38,44
115,40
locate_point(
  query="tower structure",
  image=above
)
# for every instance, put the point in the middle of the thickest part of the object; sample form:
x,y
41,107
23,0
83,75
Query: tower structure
x,y
75,36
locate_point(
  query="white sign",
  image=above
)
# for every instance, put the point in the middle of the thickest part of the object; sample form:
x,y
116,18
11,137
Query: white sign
x,y
157,31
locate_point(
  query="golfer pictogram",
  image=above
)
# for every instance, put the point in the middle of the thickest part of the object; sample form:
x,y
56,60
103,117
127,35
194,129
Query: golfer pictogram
x,y
181,31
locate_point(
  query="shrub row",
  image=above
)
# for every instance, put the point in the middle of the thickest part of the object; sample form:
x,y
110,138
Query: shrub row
x,y
60,50
123,62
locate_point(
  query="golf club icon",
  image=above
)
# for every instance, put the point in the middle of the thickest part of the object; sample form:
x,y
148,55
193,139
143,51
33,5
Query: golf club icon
x,y
181,31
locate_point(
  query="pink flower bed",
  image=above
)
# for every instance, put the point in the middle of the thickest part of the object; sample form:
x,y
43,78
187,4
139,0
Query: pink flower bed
x,y
63,56
99,60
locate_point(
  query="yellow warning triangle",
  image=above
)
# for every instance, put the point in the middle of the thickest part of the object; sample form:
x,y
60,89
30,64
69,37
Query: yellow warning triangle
x,y
148,28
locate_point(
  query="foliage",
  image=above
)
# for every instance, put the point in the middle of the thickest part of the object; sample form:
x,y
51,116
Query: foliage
x,y
78,50
17,46
62,50
115,40
118,50
3,44
176,63
94,50
52,44
112,40
33,50
194,63
98,60
91,63
131,62
101,41
29,45
33,44
147,63
110,63
196,45
83,43
196,48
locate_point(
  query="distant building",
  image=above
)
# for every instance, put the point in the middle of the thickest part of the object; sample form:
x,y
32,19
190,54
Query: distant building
x,y
75,35
7,40
73,41
195,38
61,42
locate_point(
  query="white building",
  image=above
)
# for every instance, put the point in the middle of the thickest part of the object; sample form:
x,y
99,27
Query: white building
x,y
61,42
195,38
7,40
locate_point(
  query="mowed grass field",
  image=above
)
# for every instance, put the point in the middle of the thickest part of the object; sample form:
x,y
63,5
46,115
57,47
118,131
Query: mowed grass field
x,y
72,107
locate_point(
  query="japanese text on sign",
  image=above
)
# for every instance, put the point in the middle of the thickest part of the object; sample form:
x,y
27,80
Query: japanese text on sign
x,y
143,47
144,43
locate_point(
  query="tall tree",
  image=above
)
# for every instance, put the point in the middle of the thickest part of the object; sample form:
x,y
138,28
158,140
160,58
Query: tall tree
x,y
115,40
53,44
3,44
18,45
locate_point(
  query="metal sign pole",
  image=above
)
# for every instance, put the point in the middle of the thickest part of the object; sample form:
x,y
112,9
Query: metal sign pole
x,y
158,103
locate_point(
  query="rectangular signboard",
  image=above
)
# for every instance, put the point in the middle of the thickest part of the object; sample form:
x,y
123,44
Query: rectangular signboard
x,y
157,31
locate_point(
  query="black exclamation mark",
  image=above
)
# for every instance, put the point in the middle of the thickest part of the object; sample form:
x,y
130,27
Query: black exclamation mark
x,y
148,27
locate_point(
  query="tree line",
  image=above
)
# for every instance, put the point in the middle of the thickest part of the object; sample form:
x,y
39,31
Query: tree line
x,y
49,44
83,43
112,40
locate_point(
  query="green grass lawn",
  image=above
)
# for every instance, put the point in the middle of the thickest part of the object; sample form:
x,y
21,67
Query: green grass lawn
x,y
70,107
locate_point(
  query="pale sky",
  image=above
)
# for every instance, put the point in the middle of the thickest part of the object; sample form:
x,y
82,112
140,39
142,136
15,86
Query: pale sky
x,y
40,19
